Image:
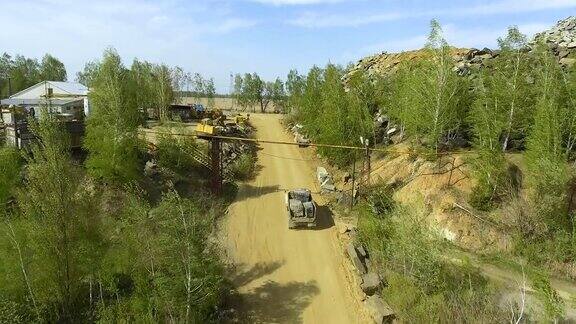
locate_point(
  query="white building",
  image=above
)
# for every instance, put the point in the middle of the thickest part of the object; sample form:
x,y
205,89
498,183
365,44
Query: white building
x,y
68,100
64,98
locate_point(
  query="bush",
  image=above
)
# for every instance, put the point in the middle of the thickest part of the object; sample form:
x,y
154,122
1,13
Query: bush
x,y
422,285
10,164
493,180
243,168
177,153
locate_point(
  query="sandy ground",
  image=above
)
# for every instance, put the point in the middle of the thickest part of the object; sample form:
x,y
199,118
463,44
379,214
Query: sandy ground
x,y
282,275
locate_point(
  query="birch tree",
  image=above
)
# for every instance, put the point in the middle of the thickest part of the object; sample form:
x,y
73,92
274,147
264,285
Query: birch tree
x,y
545,154
511,85
111,132
164,90
431,96
190,275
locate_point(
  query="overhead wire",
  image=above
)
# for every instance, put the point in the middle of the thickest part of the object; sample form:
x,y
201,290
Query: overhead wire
x,y
264,141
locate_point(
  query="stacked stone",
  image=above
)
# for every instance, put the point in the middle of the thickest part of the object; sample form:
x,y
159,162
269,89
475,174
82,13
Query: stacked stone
x,y
561,39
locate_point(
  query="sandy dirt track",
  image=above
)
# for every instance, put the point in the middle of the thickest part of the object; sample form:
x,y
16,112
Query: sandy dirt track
x,y
282,275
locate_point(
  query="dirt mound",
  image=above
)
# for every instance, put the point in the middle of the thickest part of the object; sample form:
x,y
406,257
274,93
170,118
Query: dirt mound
x,y
387,63
561,39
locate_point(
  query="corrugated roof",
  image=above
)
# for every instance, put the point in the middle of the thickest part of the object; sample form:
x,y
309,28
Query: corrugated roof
x,y
70,87
41,101
59,88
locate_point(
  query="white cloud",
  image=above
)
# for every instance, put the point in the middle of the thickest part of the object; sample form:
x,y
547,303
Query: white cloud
x,y
167,31
317,20
232,24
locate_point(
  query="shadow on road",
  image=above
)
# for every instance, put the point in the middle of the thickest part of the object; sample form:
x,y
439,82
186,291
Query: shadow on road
x,y
247,191
271,302
241,276
324,218
280,303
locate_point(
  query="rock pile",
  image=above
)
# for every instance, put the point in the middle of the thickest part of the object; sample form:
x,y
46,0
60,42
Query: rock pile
x,y
371,284
387,63
561,39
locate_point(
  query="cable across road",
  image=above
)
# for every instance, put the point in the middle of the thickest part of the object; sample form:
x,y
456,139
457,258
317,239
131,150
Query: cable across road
x,y
264,141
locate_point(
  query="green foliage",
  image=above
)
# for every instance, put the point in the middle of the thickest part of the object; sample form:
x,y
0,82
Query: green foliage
x,y
174,274
51,69
332,115
56,211
295,84
546,160
250,90
244,166
552,303
111,134
177,152
142,74
25,72
423,285
431,100
510,88
164,91
88,73
10,165
493,180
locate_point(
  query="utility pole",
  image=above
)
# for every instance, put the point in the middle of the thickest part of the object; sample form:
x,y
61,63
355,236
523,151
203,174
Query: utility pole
x,y
353,181
231,91
367,162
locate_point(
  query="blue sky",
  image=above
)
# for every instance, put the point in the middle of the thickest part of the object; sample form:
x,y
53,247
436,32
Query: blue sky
x,y
217,37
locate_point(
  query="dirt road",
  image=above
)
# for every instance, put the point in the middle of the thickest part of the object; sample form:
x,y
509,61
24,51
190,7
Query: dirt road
x,y
284,276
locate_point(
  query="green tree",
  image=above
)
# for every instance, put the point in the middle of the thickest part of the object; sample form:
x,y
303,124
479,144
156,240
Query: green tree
x,y
178,83
51,69
10,165
25,72
164,90
111,134
210,92
88,73
198,84
275,93
431,99
57,212
511,87
142,74
250,90
295,84
545,154
6,64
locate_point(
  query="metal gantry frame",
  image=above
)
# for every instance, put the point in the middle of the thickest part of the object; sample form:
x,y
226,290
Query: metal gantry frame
x,y
216,153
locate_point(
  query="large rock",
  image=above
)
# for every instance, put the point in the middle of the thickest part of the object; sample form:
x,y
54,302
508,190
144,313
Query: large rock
x,y
379,310
567,61
371,283
325,180
150,168
355,258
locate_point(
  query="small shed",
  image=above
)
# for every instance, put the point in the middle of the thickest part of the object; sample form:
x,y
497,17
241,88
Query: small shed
x,y
68,100
65,98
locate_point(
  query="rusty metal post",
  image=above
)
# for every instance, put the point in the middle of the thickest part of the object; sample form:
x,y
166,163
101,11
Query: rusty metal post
x,y
368,164
353,181
215,155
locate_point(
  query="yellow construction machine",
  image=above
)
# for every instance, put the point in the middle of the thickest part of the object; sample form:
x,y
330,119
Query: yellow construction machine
x,y
206,127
